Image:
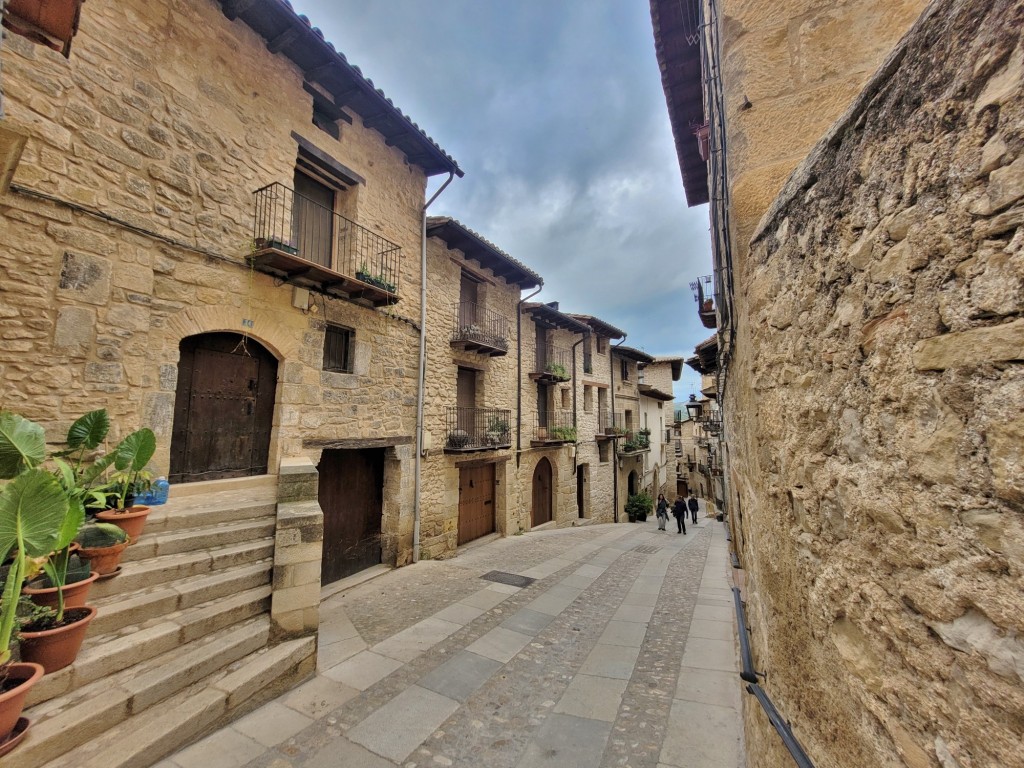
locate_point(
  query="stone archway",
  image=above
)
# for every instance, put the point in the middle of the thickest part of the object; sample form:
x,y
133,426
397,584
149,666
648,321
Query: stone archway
x,y
632,483
223,408
541,512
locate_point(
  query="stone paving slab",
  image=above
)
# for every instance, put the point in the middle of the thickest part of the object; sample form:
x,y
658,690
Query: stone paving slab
x,y
708,686
527,622
592,697
706,736
461,676
272,723
401,725
363,670
500,644
565,741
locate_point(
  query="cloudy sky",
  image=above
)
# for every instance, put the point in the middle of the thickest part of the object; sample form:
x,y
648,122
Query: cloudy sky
x,y
555,112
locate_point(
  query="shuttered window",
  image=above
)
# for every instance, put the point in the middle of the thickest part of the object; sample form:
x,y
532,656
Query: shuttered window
x,y
338,343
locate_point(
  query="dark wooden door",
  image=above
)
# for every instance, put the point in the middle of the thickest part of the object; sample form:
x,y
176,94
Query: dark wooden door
x,y
313,220
351,497
223,408
541,493
476,502
582,476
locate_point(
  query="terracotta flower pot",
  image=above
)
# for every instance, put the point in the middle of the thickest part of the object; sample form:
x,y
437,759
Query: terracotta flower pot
x,y
131,520
20,678
75,594
57,648
103,560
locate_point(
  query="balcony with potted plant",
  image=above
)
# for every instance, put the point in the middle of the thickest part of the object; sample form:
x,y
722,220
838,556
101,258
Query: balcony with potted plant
x,y
554,428
303,243
478,329
704,294
610,425
634,443
553,365
477,429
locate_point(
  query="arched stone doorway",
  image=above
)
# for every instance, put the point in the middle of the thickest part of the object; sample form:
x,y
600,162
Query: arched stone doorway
x,y
223,408
541,493
631,483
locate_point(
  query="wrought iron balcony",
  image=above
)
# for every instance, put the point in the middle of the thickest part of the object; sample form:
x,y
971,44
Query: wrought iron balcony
x,y
554,427
478,329
610,425
553,364
477,429
635,442
704,294
307,244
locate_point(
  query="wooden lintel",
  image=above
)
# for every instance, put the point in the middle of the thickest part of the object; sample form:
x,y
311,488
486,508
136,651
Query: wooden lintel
x,y
464,264
356,443
235,8
321,70
283,40
374,120
300,272
482,462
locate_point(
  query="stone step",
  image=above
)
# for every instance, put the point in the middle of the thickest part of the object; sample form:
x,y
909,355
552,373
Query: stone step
x,y
145,738
200,538
254,483
137,608
103,654
63,723
196,511
146,574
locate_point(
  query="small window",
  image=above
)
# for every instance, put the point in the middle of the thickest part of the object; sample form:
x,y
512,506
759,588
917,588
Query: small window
x,y
625,369
338,349
566,405
588,362
602,345
325,123
588,399
604,450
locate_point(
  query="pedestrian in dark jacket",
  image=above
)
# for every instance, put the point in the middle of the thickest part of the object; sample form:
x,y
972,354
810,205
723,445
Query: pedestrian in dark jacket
x,y
694,506
679,512
662,511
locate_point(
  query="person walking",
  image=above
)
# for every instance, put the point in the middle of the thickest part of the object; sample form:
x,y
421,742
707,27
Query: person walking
x,y
662,511
679,512
694,506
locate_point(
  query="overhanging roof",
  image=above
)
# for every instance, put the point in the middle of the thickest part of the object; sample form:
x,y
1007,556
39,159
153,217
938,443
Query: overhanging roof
x,y
648,391
485,253
293,35
677,365
706,359
632,354
600,326
552,318
677,45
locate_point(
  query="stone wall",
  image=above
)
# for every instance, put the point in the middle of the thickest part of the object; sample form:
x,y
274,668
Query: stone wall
x,y
152,158
874,415
598,475
797,64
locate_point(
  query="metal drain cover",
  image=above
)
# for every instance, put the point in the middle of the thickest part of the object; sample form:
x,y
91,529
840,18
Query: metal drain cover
x,y
647,549
512,579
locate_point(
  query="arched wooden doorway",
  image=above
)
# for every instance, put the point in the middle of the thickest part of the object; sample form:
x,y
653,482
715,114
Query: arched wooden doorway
x,y
631,483
223,408
541,493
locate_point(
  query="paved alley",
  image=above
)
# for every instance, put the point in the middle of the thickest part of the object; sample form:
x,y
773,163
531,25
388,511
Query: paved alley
x,y
616,649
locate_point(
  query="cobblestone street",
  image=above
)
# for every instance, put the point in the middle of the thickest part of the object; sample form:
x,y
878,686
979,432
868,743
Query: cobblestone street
x,y
621,652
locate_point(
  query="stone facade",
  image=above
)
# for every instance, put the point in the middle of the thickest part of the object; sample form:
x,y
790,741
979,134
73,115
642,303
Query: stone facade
x,y
656,415
595,455
873,413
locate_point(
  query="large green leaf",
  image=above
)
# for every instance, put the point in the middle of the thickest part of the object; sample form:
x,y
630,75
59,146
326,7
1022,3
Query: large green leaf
x,y
89,430
134,452
22,444
33,508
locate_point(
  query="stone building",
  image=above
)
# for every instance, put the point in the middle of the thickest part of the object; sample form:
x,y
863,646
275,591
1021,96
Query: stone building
x,y
224,247
472,388
867,236
655,389
633,447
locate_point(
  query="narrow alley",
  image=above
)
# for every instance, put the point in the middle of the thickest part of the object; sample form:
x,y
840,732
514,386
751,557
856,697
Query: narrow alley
x,y
602,645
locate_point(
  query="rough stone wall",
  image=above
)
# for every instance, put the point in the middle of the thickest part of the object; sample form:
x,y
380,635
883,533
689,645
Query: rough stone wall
x,y
799,64
598,501
496,388
874,415
93,311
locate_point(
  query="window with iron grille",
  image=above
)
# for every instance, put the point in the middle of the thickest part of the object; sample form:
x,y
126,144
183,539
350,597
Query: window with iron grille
x,y
624,369
338,342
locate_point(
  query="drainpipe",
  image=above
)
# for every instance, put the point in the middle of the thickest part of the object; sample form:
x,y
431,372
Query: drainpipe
x,y
519,373
576,453
615,445
422,378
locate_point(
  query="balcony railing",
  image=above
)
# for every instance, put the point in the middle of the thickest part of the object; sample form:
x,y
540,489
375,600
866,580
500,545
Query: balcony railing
x,y
554,427
308,244
635,442
477,429
610,425
553,364
478,329
704,294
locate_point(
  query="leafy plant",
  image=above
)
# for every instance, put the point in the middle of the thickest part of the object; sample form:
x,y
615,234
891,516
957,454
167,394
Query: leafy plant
x,y
639,505
130,458
497,424
565,434
22,444
99,535
557,370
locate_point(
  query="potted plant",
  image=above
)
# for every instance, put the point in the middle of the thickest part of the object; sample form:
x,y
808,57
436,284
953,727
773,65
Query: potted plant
x,y
557,370
497,431
78,579
130,458
638,505
102,545
276,243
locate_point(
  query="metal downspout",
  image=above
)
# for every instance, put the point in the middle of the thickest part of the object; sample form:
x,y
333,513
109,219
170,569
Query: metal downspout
x,y
519,372
421,384
615,445
576,453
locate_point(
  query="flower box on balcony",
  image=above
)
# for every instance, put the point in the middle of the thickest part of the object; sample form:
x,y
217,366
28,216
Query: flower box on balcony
x,y
285,246
376,280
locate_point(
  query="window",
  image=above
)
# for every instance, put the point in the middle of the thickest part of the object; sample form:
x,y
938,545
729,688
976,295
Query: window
x,y
326,123
602,345
588,399
313,219
624,368
338,349
566,405
588,362
604,450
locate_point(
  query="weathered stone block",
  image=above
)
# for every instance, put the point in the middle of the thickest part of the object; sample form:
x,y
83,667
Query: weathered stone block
x,y
85,277
975,347
75,329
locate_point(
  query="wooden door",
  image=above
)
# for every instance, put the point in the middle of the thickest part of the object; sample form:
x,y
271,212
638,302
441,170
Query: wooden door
x,y
351,497
465,399
476,502
223,408
582,477
468,301
313,220
541,493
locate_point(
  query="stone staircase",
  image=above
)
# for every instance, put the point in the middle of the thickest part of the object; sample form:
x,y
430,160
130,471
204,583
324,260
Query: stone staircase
x,y
182,642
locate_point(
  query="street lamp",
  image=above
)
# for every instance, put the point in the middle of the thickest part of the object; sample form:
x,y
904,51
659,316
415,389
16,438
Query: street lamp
x,y
693,408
